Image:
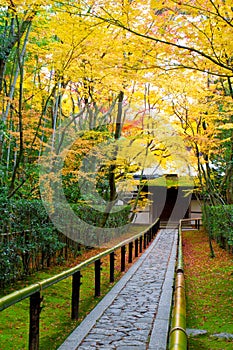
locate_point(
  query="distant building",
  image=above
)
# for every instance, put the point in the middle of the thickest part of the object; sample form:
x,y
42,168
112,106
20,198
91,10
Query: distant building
x,y
171,199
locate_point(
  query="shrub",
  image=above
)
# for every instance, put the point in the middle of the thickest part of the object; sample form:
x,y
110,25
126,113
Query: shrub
x,y
29,240
218,220
94,216
10,263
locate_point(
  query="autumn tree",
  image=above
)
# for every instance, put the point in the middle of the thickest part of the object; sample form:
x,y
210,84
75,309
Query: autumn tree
x,y
105,65
57,78
192,36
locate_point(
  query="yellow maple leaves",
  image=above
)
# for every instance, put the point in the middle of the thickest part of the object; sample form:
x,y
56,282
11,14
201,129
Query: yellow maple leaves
x,y
172,59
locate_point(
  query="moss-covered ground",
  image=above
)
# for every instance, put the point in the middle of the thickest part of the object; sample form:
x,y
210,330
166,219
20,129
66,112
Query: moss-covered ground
x,y
209,290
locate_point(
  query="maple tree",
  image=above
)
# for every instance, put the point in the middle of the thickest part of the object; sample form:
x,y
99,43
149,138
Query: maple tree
x,y
60,77
74,73
188,34
202,112
192,36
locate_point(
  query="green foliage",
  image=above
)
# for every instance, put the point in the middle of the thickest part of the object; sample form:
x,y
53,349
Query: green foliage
x,y
218,222
10,262
71,188
94,216
28,239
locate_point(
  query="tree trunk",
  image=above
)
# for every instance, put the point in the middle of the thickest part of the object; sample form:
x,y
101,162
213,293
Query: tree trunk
x,y
21,55
111,178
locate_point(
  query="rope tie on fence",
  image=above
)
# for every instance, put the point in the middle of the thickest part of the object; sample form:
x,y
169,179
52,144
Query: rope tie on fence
x,y
40,285
178,329
41,296
180,287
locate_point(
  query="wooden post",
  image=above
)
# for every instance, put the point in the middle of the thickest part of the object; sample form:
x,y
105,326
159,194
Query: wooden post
x,y
150,235
140,244
112,259
145,241
35,300
75,295
154,230
130,257
123,258
136,248
97,277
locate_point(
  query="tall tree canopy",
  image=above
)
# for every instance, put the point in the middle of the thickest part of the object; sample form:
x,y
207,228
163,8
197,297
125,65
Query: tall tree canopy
x,y
92,64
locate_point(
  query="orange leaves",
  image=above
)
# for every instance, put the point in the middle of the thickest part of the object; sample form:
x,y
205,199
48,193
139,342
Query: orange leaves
x,y
132,127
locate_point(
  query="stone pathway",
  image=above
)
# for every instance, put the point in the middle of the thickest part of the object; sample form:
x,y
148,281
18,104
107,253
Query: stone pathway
x,y
135,313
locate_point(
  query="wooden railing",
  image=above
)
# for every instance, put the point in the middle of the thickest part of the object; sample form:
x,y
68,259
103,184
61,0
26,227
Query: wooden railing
x,y
195,222
34,291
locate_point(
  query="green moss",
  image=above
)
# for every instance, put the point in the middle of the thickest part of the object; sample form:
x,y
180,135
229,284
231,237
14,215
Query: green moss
x,y
206,343
209,291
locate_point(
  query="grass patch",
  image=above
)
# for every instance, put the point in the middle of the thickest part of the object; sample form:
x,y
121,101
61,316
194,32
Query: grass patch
x,y
209,291
55,321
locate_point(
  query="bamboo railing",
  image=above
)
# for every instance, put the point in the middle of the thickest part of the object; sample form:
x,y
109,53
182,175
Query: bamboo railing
x,y
178,339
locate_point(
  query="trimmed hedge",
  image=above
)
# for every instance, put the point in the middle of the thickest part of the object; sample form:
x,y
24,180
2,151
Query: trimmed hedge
x,y
218,220
93,215
29,241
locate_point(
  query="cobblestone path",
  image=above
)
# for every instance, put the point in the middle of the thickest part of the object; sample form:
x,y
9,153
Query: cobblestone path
x,y
135,313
